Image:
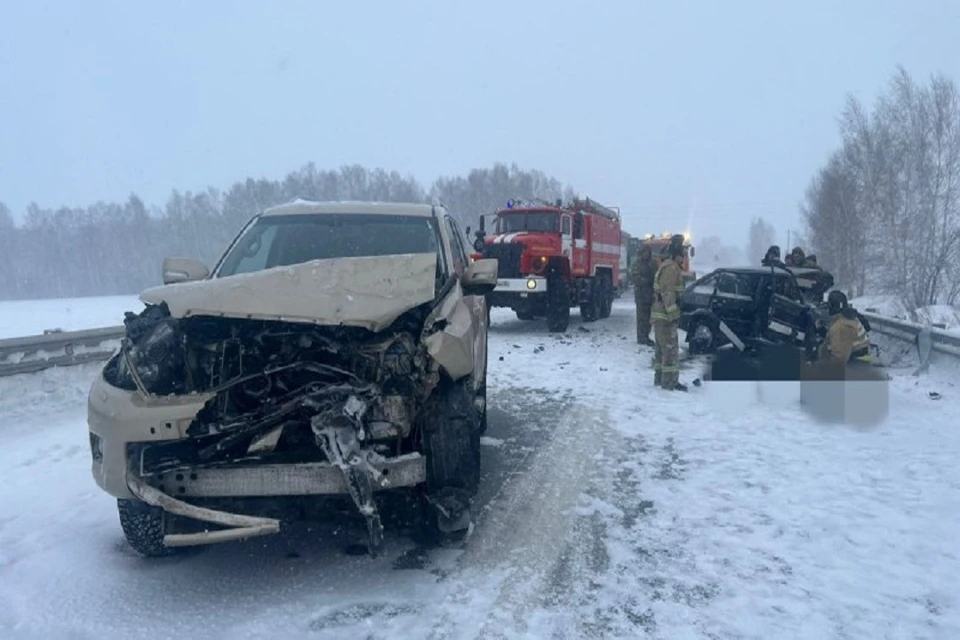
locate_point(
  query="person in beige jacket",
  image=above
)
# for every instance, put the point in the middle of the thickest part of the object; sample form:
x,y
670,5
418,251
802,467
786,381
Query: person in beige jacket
x,y
846,335
667,286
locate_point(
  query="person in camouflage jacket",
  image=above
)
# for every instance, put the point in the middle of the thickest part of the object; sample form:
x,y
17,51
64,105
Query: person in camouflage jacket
x,y
642,274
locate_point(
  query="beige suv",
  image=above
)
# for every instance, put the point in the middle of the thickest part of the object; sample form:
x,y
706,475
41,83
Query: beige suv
x,y
336,349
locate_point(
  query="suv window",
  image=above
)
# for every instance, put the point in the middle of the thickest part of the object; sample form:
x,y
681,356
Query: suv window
x,y
706,285
786,287
459,253
274,241
254,258
727,283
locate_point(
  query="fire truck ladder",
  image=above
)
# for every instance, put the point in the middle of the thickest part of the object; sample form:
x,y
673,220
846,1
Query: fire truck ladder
x,y
590,206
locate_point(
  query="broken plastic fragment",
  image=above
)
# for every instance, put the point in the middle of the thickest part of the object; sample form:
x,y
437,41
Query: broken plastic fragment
x,y
342,449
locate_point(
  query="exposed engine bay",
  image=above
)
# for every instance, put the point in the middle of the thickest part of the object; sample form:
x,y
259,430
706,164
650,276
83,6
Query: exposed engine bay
x,y
283,392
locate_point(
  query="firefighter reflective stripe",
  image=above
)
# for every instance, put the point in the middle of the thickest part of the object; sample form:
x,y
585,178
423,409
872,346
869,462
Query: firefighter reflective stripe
x,y
658,315
672,308
670,369
680,288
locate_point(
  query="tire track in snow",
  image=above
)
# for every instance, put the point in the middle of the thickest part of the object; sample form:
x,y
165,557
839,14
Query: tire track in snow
x,y
523,543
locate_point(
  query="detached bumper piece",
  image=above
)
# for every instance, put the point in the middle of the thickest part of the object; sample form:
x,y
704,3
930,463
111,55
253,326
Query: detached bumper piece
x,y
356,472
239,526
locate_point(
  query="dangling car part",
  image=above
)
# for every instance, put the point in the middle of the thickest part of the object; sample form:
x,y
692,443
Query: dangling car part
x,y
314,361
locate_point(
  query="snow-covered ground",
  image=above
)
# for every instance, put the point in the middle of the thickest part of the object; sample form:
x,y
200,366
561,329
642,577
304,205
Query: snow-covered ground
x,y
32,317
939,314
608,509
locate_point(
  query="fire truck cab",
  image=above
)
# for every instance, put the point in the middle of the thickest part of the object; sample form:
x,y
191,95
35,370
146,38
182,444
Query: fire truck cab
x,y
554,256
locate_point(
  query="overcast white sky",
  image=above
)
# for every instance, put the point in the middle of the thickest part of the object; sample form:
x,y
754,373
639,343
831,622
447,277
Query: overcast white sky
x,y
719,109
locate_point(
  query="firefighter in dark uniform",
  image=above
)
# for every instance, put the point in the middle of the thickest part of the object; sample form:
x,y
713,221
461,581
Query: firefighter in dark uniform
x,y
667,287
772,258
641,275
796,258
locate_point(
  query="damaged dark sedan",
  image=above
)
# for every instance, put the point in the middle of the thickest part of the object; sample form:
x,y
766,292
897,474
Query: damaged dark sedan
x,y
336,349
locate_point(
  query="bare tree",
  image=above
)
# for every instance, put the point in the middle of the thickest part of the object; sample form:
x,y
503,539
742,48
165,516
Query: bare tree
x,y
885,210
762,237
111,248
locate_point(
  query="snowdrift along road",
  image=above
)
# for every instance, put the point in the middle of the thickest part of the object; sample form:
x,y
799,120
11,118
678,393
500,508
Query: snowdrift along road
x,y
609,509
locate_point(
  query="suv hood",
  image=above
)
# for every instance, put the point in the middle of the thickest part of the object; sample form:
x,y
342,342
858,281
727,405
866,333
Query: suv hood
x,y
369,292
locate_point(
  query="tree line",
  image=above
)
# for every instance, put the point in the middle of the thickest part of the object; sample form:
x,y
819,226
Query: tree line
x,y
116,248
883,213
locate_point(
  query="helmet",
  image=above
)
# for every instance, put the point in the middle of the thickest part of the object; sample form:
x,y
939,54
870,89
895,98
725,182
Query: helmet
x,y
773,252
798,255
837,302
675,248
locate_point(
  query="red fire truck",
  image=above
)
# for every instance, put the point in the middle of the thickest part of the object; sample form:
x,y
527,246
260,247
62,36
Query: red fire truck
x,y
554,256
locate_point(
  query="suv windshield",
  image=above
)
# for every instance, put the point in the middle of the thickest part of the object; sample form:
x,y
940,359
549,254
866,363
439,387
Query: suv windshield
x,y
277,241
536,221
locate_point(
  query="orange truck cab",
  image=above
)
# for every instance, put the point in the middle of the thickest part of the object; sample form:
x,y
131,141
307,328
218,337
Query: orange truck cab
x,y
659,243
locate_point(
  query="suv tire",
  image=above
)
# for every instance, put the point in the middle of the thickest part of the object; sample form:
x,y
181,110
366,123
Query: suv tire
x,y
144,527
451,444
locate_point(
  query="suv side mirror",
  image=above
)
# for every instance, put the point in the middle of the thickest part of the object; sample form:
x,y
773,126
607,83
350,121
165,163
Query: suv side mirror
x,y
183,270
480,278
693,252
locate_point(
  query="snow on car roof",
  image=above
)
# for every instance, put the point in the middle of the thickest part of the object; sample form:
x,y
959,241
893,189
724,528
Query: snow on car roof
x,y
304,207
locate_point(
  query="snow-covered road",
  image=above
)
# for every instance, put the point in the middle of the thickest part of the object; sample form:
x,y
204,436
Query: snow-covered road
x,y
609,509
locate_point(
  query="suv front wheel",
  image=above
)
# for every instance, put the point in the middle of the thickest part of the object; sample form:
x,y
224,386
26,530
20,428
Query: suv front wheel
x,y
144,527
451,444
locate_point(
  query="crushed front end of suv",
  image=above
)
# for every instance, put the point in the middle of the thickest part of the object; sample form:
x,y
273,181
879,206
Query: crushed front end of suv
x,y
336,350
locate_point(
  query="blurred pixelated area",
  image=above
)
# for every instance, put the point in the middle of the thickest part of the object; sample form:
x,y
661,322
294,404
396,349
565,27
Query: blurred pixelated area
x,y
855,395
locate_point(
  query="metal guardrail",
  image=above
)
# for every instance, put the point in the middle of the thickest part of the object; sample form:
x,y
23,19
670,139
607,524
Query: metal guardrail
x,y
939,340
57,349
67,348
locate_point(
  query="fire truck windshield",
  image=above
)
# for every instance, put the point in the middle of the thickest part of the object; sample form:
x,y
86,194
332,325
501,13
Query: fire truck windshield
x,y
542,221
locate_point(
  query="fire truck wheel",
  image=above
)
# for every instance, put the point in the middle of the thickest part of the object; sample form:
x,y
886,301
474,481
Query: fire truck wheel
x,y
558,304
524,315
606,297
590,310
